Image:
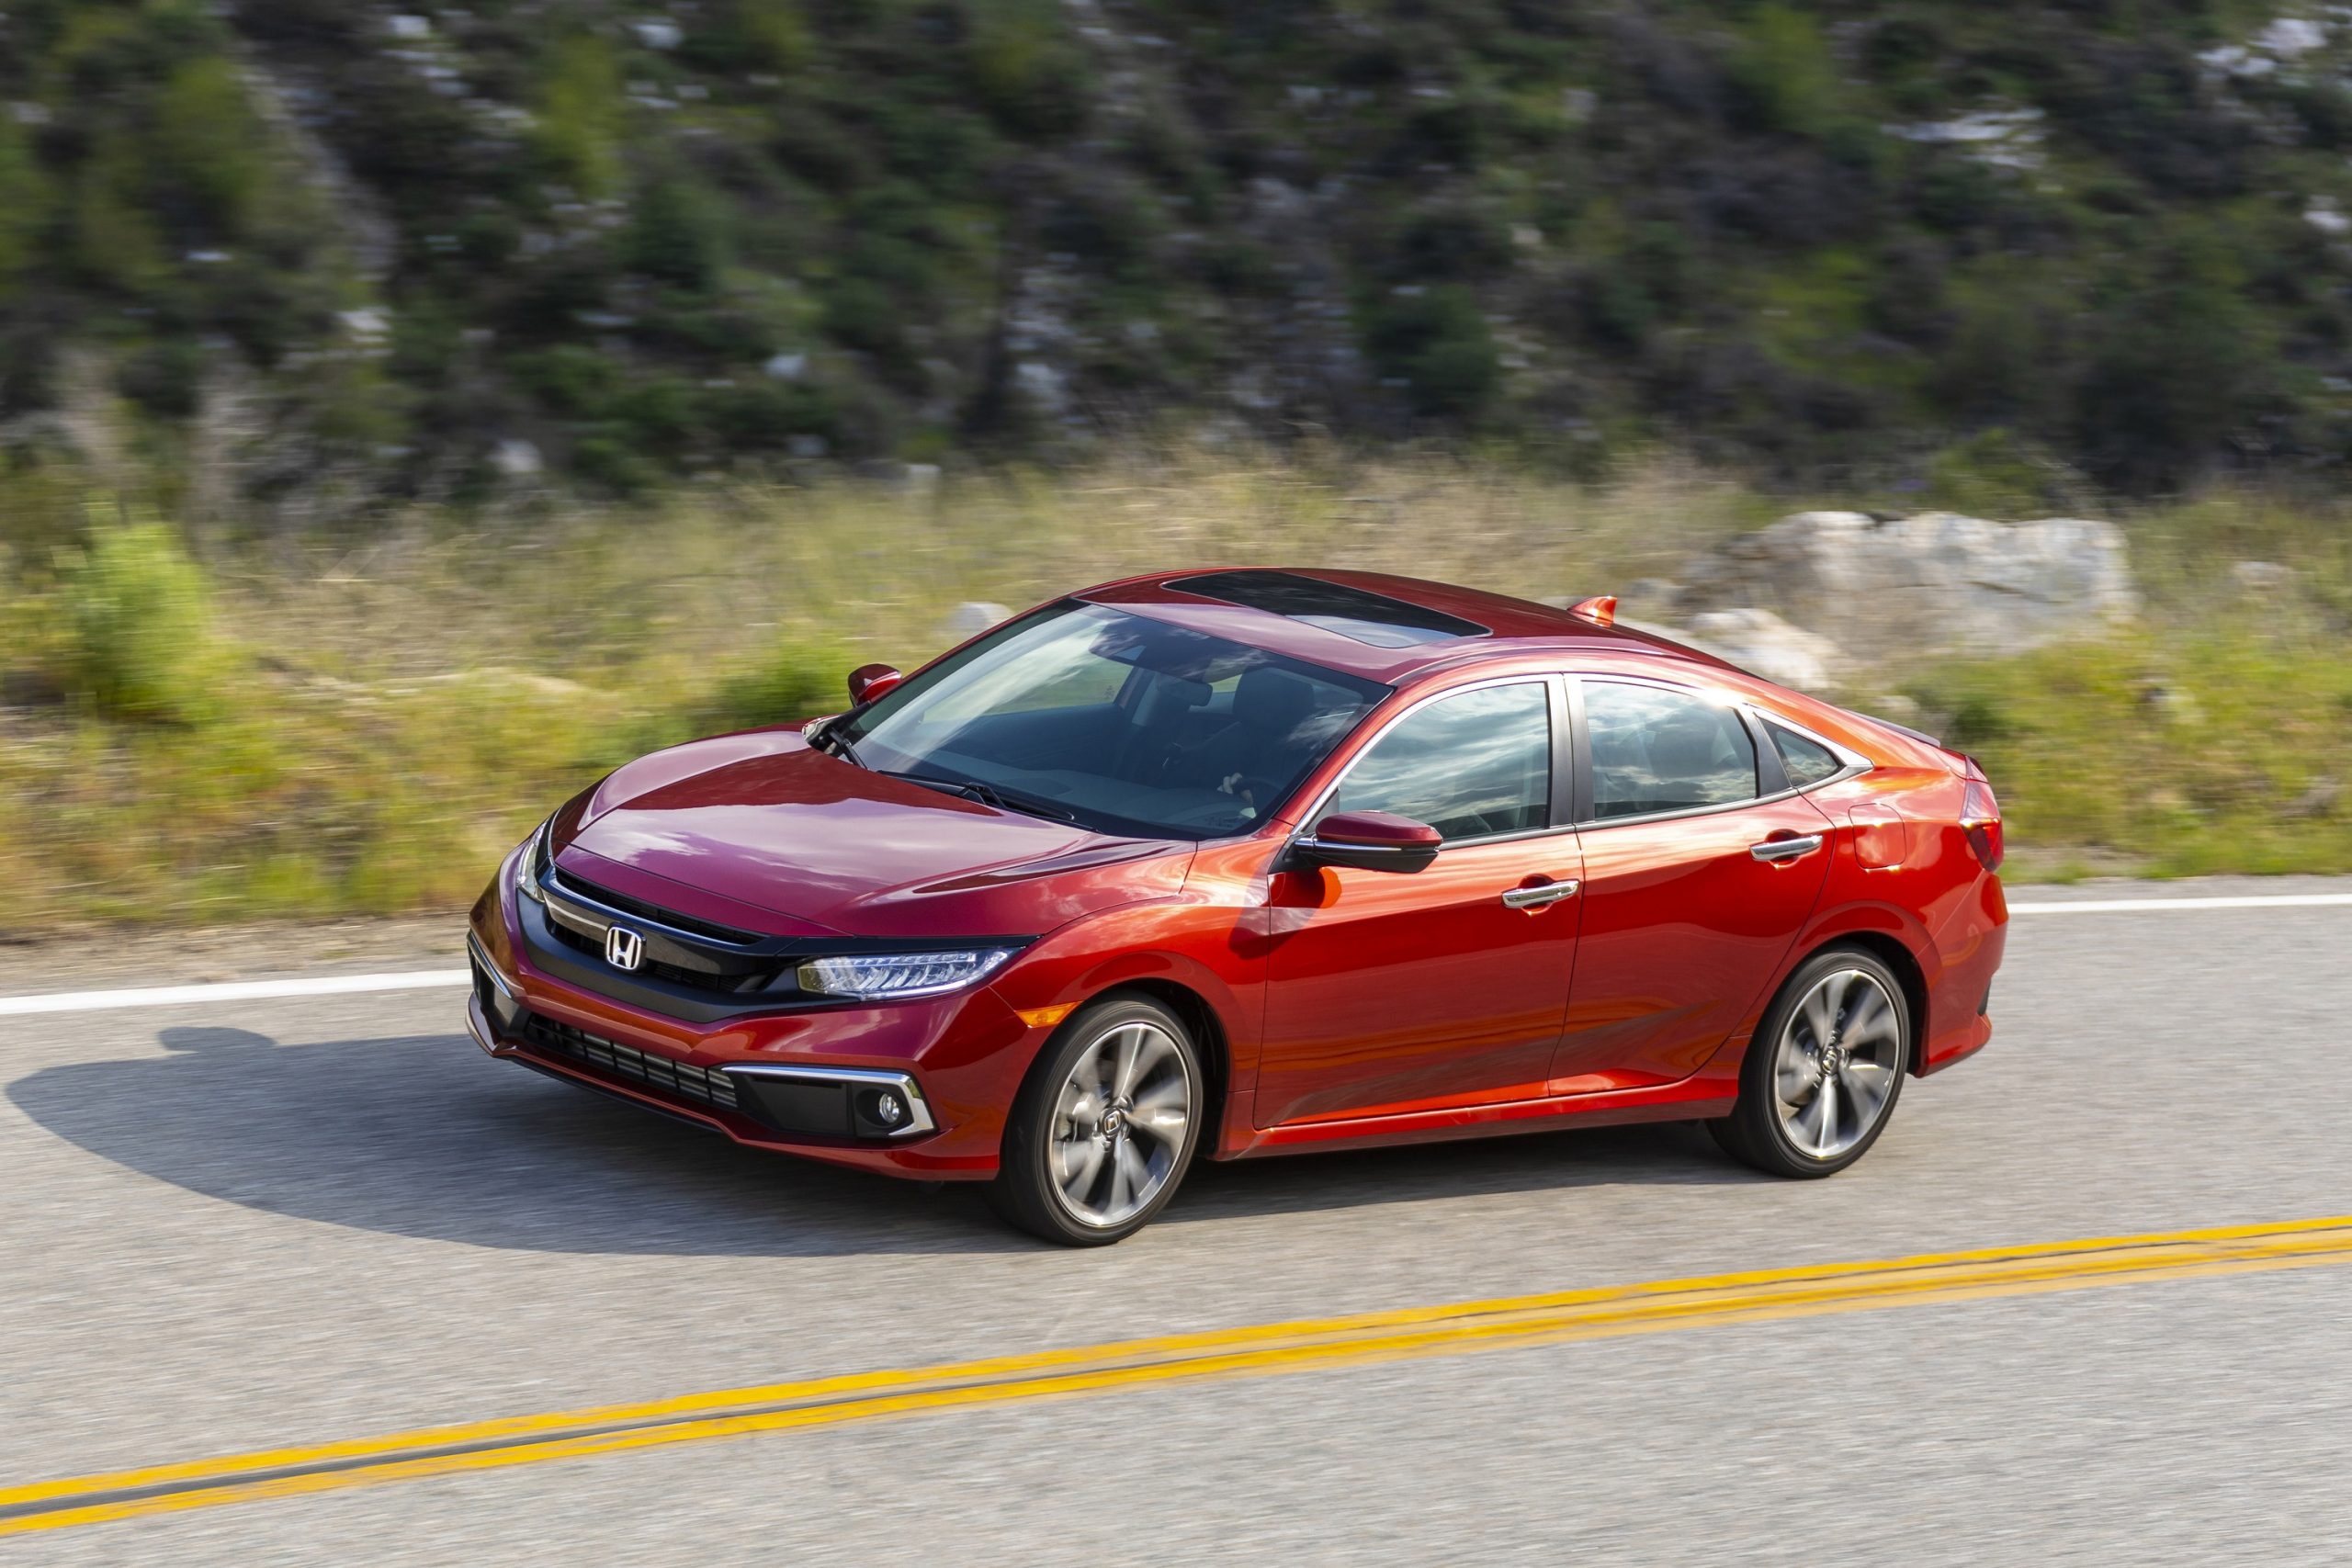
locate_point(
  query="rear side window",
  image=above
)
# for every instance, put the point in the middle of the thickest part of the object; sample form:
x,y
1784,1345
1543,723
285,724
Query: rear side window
x,y
1655,749
1807,761
1470,765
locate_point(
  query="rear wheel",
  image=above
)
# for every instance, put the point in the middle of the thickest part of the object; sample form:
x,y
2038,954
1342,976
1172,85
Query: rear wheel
x,y
1105,1126
1824,1069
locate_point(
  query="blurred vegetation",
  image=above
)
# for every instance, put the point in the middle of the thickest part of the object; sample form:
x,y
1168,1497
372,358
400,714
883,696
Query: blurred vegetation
x,y
198,726
346,258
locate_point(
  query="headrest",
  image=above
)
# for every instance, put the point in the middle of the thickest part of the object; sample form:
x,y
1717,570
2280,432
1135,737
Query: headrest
x,y
1690,745
1271,699
1185,693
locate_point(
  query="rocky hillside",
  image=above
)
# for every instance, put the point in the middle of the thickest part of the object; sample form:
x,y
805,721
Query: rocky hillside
x,y
319,252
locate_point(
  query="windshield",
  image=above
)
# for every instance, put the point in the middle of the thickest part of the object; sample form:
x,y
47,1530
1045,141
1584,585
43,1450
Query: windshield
x,y
1117,723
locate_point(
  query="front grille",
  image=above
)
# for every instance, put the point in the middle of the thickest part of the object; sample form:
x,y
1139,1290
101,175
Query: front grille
x,y
565,880
627,1063
675,974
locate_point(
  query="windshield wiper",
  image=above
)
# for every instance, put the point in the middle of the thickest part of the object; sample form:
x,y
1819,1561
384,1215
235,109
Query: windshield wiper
x,y
987,794
831,738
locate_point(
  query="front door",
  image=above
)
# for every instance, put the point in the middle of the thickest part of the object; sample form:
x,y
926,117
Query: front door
x,y
1694,888
1392,991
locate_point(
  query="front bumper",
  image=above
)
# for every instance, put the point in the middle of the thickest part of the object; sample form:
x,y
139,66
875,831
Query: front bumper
x,y
915,1089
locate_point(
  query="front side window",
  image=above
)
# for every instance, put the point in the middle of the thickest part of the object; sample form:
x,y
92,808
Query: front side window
x,y
1115,721
1471,765
1657,749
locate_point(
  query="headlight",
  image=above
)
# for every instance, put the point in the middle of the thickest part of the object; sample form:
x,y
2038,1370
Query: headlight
x,y
895,975
532,862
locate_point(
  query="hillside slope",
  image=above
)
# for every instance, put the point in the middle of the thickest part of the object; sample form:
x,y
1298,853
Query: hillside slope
x,y
330,251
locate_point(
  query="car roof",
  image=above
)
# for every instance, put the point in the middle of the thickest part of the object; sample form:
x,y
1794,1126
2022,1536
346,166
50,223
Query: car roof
x,y
1428,620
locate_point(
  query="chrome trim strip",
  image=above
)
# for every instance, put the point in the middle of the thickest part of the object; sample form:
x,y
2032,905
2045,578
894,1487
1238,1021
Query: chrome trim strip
x,y
874,1078
1856,763
586,913
481,956
1312,843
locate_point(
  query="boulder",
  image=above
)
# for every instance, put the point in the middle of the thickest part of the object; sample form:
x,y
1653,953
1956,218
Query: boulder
x,y
1762,644
1937,582
2263,576
972,617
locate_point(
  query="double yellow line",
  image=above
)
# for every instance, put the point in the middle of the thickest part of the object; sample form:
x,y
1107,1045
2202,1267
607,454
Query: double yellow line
x,y
1267,1348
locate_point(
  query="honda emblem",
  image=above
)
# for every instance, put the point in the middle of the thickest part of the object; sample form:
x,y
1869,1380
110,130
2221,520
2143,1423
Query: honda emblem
x,y
624,949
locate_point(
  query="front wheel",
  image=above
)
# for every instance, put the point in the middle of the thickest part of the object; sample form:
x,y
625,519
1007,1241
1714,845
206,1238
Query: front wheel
x,y
1104,1127
1824,1069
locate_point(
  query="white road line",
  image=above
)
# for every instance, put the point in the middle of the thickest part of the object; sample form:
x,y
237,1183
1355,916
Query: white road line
x,y
230,991
427,979
2133,906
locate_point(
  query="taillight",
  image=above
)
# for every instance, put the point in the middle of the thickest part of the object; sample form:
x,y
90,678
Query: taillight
x,y
1980,818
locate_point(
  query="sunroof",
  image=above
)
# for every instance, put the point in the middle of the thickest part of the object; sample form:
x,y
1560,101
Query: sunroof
x,y
1356,613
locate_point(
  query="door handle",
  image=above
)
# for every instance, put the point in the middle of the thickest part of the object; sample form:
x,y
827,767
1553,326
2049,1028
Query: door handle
x,y
1795,847
1541,897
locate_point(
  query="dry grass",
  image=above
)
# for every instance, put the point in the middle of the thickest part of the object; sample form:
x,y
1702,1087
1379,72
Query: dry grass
x,y
376,722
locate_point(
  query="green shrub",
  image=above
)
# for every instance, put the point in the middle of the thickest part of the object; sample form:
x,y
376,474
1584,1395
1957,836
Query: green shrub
x,y
1438,342
143,639
24,200
1785,77
210,143
582,116
677,232
1026,67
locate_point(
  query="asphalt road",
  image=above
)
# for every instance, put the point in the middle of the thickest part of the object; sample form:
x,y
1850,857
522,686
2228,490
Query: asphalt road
x,y
241,1225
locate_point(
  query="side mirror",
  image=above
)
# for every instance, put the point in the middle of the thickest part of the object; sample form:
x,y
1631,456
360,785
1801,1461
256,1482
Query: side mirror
x,y
1368,841
868,682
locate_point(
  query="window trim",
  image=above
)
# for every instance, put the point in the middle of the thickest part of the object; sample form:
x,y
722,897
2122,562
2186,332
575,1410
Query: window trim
x,y
1851,762
1563,750
1751,715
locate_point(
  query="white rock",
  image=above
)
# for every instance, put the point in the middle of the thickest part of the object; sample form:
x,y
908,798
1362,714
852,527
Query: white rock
x,y
972,617
806,446
364,323
2291,36
1938,582
788,366
2323,215
517,458
410,26
1041,383
658,34
1761,643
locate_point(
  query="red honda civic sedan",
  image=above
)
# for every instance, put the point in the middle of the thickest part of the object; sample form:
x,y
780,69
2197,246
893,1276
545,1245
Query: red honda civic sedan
x,y
1245,863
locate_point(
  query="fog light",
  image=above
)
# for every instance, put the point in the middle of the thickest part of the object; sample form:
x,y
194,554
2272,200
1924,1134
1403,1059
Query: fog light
x,y
888,1110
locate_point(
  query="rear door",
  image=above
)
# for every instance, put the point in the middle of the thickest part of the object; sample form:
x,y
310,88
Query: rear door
x,y
1390,992
1700,867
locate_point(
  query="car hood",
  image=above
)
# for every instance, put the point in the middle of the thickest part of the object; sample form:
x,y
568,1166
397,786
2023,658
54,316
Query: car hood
x,y
761,831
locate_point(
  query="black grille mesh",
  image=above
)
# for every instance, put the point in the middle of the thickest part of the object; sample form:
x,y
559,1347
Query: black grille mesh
x,y
627,1063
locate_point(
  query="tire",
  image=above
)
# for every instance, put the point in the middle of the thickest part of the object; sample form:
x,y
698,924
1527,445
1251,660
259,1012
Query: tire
x,y
1777,1125
1087,1160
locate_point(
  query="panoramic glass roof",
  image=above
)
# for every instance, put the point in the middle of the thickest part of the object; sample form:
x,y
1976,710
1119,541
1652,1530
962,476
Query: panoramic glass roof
x,y
1355,612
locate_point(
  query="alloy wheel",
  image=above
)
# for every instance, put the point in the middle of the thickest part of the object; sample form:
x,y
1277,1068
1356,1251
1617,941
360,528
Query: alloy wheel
x,y
1119,1123
1837,1062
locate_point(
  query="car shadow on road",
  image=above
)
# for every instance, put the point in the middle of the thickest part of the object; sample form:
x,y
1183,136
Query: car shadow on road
x,y
424,1136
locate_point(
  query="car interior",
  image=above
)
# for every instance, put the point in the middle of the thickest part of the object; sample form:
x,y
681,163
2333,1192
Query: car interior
x,y
1207,757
